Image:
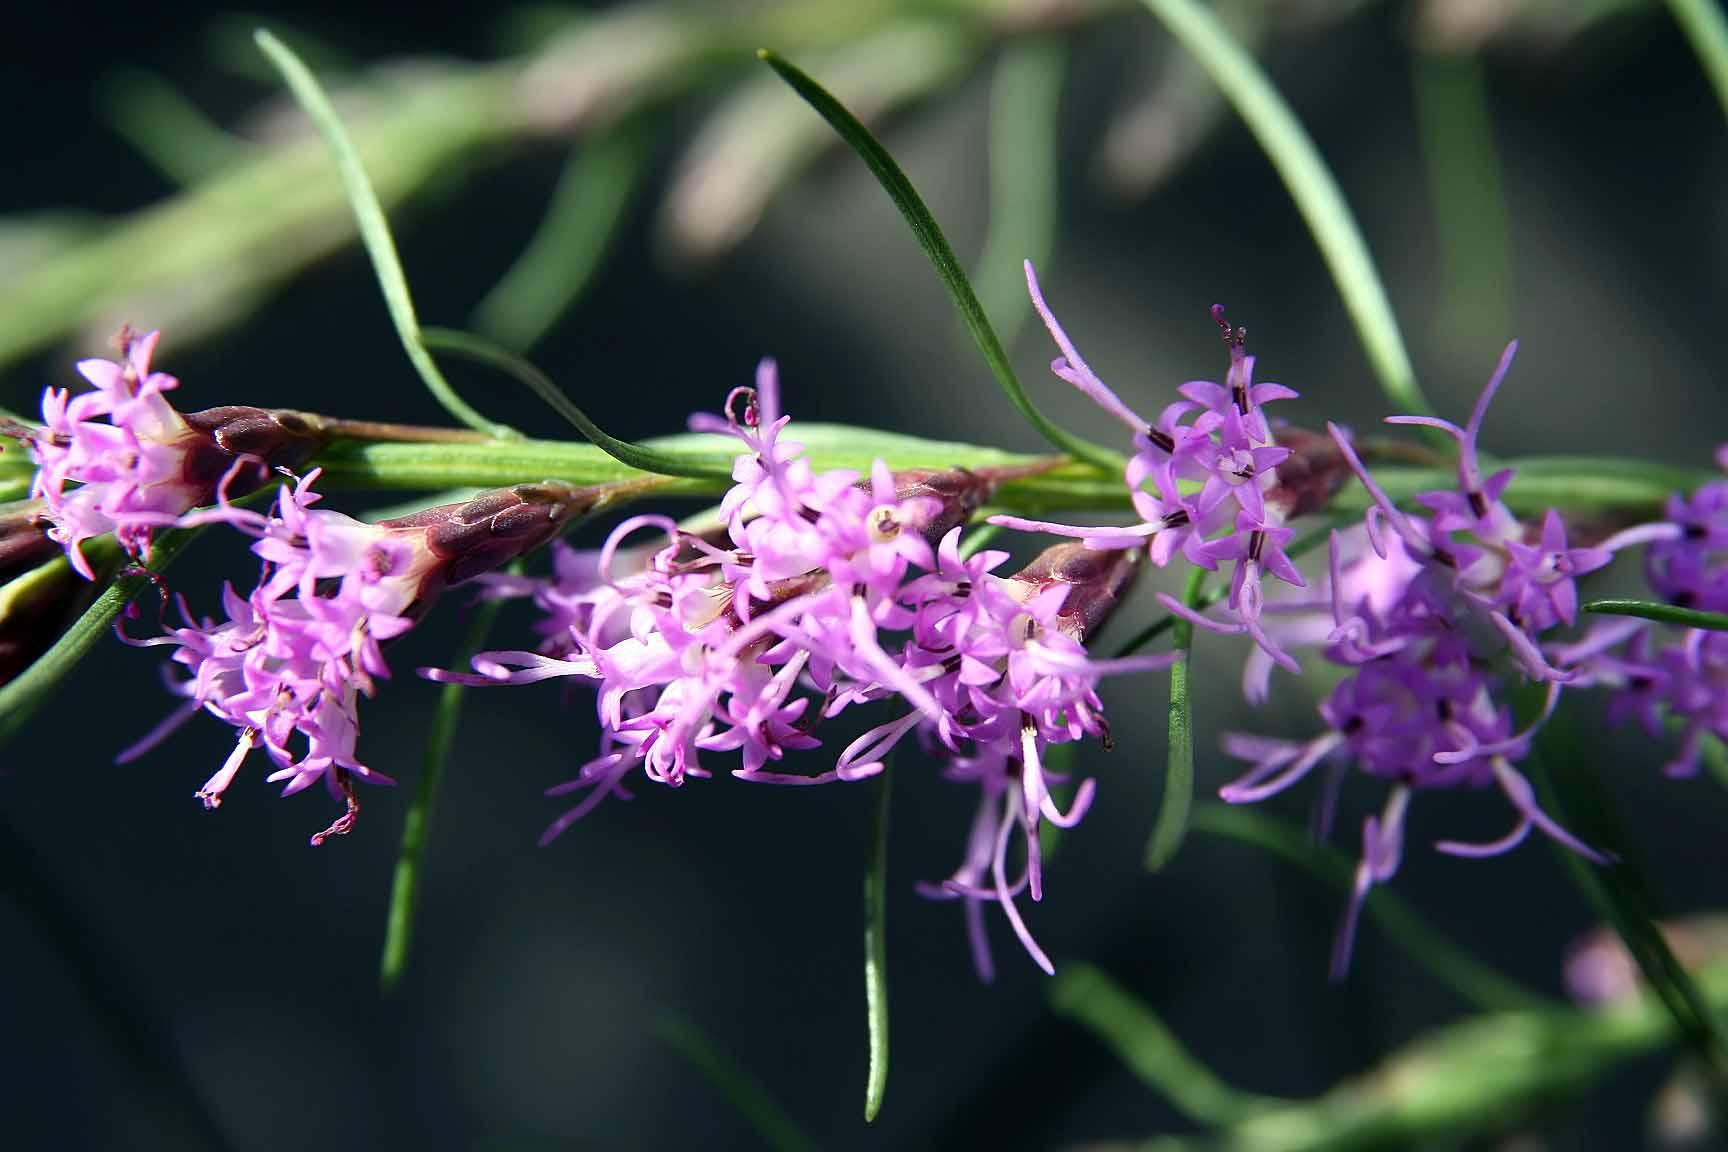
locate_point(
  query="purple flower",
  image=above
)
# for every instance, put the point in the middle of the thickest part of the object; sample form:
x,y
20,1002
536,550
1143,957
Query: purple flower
x,y
120,459
1424,618
1226,451
828,592
288,663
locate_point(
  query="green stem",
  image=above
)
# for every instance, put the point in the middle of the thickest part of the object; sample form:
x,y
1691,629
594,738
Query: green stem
x,y
416,827
20,699
1172,821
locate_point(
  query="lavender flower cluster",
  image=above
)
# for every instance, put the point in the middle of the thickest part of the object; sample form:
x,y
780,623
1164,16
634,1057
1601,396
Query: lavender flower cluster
x,y
809,594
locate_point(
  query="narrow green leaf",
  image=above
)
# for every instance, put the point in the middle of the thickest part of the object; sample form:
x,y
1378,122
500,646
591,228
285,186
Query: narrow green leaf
x,y
1707,29
374,229
876,951
1662,613
556,267
20,699
1472,229
1574,794
170,131
416,828
1172,823
647,459
1473,980
770,1121
1025,104
941,254
1151,1051
1310,184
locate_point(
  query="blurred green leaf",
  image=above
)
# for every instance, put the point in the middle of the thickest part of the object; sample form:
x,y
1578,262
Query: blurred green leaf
x,y
1149,1049
1707,29
1470,1079
941,254
1025,107
770,1121
1311,185
1172,821
1471,221
169,130
553,272
1474,981
374,230
1562,769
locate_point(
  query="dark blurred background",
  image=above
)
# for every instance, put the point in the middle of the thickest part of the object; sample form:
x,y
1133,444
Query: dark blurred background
x,y
138,928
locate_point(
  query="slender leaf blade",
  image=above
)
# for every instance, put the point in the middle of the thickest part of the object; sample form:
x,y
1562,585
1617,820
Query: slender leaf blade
x,y
1661,613
659,461
374,228
930,237
1312,187
876,952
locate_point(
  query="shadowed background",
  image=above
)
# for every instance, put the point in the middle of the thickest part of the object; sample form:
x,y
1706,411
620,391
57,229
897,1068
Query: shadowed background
x,y
138,930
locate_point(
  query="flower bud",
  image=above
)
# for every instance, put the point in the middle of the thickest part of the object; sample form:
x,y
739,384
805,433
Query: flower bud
x,y
1098,580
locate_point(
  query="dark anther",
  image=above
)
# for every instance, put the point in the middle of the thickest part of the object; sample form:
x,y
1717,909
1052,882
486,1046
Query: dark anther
x,y
344,823
1160,438
1478,504
810,514
1256,542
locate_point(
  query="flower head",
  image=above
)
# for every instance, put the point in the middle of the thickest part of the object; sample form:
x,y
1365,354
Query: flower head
x,y
288,663
121,459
